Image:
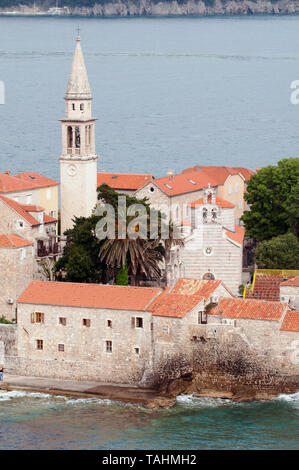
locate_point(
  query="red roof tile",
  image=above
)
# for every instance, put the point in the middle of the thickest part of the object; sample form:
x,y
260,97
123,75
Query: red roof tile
x,y
30,208
294,282
36,180
290,321
221,173
88,295
169,304
124,181
48,219
18,208
184,183
238,235
13,241
23,181
249,309
219,202
201,287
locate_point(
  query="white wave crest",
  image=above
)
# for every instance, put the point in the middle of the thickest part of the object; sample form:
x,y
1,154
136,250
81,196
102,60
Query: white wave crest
x,y
10,395
191,401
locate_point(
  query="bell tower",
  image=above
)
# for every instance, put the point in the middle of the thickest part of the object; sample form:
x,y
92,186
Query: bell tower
x,y
78,160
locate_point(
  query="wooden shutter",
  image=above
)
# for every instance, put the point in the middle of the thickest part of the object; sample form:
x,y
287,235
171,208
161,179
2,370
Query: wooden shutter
x,y
42,319
133,322
32,317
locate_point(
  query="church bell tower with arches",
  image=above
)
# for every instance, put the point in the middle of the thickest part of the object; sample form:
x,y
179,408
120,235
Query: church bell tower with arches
x,y
78,160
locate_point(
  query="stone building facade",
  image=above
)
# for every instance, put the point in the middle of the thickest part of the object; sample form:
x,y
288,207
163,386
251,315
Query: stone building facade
x,y
213,244
17,266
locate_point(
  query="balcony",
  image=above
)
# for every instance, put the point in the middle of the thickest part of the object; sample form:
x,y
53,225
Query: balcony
x,y
48,248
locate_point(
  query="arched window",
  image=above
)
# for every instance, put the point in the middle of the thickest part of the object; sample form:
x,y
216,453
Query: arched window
x,y
209,197
77,137
214,215
69,136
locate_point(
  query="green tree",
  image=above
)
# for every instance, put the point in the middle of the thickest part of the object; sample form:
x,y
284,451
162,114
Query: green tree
x,y
273,197
122,278
80,261
280,252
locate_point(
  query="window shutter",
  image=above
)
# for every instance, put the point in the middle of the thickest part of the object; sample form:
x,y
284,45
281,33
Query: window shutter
x,y
133,322
32,317
42,318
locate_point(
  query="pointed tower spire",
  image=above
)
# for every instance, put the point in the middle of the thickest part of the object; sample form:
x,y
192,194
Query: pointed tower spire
x,y
78,85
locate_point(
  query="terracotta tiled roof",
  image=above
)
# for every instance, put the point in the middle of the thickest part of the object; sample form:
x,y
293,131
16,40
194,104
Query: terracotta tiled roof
x,y
13,241
88,295
294,282
219,202
30,208
220,173
266,287
238,235
173,305
48,219
245,172
124,181
36,180
251,309
23,181
201,287
184,183
290,321
18,208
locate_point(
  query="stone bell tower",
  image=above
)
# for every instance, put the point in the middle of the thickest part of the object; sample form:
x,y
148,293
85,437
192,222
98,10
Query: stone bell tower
x,y
78,160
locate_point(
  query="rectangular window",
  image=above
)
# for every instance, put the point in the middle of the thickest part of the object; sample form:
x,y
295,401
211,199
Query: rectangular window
x,y
109,346
23,253
230,189
37,317
49,194
29,199
62,321
137,350
86,322
139,322
165,329
109,323
61,347
236,188
53,214
202,318
39,344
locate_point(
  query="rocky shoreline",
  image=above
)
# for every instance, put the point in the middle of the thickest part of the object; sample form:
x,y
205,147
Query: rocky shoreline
x,y
165,397
133,8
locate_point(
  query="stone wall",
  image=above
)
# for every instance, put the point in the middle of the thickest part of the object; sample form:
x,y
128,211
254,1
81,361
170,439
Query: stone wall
x,y
16,272
8,348
84,356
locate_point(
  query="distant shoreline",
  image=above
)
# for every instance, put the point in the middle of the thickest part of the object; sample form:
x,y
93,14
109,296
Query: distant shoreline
x,y
156,8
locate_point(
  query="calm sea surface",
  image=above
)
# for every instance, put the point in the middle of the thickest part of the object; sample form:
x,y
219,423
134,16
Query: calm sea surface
x,y
39,421
169,93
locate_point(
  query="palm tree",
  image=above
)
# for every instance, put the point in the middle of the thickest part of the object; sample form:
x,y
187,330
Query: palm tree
x,y
141,256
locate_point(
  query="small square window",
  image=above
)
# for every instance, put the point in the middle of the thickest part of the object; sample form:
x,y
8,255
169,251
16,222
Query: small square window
x,y
62,321
202,318
61,347
39,344
86,322
109,346
109,323
165,329
139,322
137,350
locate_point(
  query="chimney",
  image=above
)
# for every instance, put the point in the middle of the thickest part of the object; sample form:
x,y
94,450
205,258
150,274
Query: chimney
x,y
170,174
7,172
